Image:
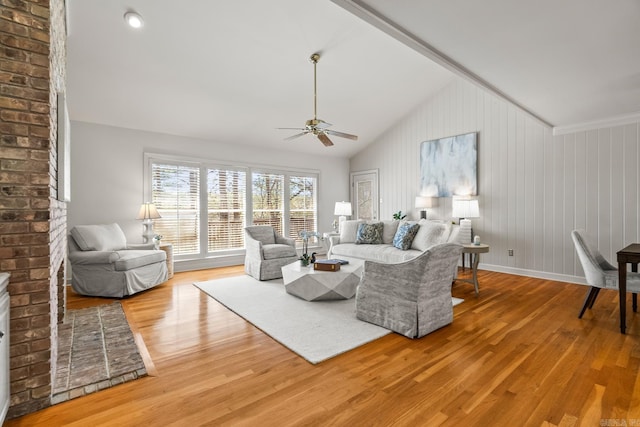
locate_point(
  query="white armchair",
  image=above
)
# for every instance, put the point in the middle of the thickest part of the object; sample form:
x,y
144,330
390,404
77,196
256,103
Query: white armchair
x,y
267,252
102,264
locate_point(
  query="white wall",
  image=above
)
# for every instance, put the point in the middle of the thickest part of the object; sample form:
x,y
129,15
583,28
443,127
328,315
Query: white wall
x,y
534,188
107,172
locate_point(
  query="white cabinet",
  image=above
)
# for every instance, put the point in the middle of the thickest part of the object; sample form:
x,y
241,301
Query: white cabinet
x,y
4,346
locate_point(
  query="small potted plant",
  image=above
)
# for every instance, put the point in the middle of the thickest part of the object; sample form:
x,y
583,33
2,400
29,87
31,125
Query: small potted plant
x,y
156,240
398,215
305,258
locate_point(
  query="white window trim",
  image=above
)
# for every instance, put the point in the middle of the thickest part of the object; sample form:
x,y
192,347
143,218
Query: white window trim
x,y
248,168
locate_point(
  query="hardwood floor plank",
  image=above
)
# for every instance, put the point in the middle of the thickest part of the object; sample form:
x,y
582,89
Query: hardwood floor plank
x,y
515,355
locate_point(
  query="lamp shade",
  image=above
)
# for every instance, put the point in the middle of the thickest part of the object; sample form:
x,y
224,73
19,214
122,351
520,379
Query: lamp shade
x,y
424,202
465,208
148,211
343,209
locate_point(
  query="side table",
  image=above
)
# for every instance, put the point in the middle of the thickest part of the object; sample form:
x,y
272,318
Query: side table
x,y
474,251
168,249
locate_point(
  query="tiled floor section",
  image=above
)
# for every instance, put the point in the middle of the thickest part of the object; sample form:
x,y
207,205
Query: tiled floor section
x,y
96,350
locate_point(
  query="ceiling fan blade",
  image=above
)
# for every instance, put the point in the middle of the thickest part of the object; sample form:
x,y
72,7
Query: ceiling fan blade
x,y
291,128
342,134
296,136
322,124
325,140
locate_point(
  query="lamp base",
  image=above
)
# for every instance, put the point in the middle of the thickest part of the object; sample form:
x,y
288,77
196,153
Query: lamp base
x,y
423,214
147,231
464,236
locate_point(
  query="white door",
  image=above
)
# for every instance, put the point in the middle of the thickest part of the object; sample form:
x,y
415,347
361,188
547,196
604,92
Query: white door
x,y
364,194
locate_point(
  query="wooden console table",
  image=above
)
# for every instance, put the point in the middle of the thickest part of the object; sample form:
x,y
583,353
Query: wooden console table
x,y
628,255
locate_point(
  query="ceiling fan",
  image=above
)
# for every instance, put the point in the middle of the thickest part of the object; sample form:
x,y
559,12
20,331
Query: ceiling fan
x,y
316,126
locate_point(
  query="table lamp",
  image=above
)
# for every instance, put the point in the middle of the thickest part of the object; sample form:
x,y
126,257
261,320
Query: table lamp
x,y
423,202
147,214
343,209
464,208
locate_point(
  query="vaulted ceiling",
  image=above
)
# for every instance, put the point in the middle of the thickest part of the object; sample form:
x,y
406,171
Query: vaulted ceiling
x,y
233,72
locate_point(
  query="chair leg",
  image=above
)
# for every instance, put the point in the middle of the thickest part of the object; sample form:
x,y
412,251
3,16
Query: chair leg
x,y
593,299
589,300
635,303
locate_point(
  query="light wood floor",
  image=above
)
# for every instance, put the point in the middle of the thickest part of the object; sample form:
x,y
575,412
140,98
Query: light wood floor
x,y
515,356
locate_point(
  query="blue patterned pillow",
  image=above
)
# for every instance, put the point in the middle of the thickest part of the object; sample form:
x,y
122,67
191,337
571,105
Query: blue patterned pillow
x,y
369,234
405,235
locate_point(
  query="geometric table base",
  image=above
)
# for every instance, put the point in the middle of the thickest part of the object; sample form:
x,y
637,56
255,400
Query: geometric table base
x,y
317,285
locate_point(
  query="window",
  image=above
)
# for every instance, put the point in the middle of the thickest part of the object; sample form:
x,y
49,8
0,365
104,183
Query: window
x,y
268,206
227,205
205,207
175,190
302,205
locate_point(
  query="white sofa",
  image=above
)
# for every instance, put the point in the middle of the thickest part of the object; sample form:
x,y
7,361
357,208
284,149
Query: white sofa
x,y
430,233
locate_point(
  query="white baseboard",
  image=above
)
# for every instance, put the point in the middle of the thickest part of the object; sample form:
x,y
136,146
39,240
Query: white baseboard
x,y
204,263
228,261
533,273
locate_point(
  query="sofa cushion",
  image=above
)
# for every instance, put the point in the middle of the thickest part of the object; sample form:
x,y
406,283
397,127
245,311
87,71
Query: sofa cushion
x,y
429,234
278,250
369,234
107,237
379,253
130,259
404,236
389,231
348,230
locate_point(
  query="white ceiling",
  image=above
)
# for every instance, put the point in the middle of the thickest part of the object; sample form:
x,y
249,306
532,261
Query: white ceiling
x,y
234,71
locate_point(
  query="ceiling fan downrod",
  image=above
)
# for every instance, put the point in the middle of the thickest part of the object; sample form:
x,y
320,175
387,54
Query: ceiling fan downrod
x,y
314,59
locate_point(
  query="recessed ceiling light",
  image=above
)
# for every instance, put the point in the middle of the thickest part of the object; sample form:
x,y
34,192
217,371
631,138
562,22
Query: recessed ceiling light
x,y
133,19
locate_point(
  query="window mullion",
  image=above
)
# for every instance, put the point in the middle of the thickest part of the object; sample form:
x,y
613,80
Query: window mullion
x,y
204,213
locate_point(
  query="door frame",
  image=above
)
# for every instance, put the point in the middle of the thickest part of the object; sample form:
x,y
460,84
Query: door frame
x,y
376,180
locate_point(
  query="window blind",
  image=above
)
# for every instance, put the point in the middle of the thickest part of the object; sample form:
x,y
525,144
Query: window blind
x,y
268,205
175,192
302,205
226,200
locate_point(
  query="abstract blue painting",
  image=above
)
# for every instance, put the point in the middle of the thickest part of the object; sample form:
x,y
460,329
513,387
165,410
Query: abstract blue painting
x,y
449,166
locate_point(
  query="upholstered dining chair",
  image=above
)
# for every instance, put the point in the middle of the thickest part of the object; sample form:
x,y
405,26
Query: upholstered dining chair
x,y
599,272
412,298
267,252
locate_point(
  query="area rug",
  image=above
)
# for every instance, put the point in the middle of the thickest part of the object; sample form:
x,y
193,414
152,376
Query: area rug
x,y
316,331
96,350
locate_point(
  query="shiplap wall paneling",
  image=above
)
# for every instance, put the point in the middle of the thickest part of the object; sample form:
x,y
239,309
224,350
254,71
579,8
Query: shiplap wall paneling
x,y
631,184
534,188
616,203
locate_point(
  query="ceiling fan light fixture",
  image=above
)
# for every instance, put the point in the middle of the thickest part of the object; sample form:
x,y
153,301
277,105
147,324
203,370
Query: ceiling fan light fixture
x,y
133,19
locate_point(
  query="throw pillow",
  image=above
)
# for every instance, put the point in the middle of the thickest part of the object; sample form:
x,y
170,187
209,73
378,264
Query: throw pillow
x,y
430,233
405,235
389,231
369,234
348,230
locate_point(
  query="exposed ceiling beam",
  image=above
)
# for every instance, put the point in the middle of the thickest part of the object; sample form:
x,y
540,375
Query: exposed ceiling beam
x,y
370,15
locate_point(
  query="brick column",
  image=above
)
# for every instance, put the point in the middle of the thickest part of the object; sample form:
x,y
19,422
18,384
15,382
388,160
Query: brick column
x,y
32,221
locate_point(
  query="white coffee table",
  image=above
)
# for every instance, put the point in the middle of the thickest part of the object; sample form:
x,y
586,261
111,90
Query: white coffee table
x,y
316,285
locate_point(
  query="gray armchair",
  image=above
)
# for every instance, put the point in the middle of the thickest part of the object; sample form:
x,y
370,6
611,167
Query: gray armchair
x,y
267,252
412,298
599,272
102,264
